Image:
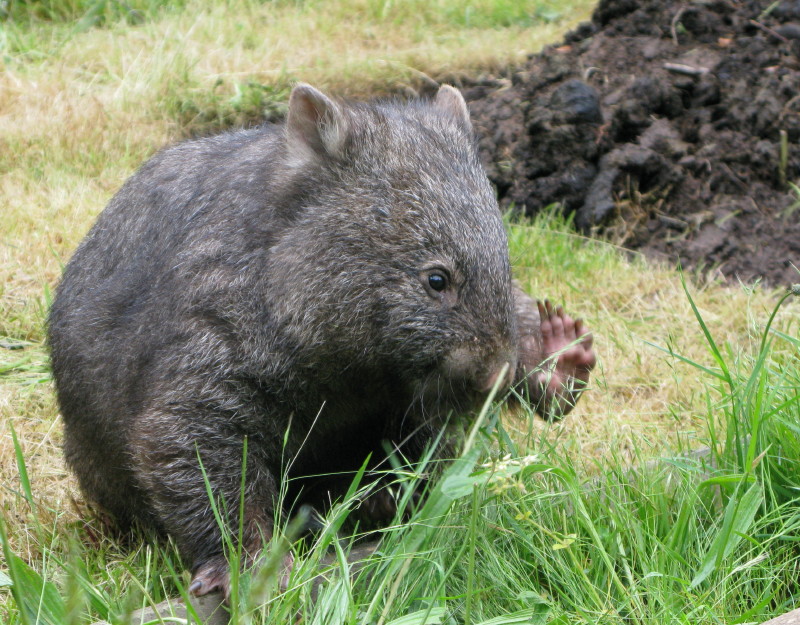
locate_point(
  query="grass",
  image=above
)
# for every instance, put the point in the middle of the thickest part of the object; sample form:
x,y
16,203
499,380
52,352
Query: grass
x,y
561,531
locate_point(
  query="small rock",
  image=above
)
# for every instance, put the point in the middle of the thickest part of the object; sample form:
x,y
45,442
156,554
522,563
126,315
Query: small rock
x,y
790,31
790,618
209,609
577,102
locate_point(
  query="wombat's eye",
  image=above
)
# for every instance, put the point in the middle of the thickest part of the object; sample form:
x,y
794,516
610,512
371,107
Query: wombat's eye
x,y
439,285
437,281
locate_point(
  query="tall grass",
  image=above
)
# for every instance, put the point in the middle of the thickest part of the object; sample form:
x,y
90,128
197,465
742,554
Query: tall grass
x,y
84,13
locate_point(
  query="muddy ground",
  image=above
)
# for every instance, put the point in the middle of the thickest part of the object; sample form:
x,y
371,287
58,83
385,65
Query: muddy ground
x,y
671,127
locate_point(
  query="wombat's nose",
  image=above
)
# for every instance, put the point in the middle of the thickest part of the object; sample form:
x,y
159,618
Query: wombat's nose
x,y
506,369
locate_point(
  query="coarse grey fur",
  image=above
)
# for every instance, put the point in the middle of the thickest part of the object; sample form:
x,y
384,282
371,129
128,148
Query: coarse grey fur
x,y
273,281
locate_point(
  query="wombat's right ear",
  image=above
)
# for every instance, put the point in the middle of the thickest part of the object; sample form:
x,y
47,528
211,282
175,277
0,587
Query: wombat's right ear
x,y
315,125
450,101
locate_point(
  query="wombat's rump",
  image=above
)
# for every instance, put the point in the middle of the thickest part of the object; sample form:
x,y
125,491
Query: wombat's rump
x,y
316,287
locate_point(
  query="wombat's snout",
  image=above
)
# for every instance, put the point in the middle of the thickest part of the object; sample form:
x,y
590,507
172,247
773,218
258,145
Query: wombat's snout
x,y
493,376
481,371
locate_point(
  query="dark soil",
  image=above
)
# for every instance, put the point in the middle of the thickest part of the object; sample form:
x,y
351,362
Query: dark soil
x,y
660,124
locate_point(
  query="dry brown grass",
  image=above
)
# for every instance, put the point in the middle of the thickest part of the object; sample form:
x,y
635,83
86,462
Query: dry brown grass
x,y
642,400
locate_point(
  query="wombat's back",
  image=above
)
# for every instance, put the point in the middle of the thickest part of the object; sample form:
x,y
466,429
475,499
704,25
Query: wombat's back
x,y
124,294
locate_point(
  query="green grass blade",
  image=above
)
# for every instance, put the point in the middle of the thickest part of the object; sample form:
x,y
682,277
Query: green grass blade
x,y
24,481
739,515
433,616
473,548
37,599
537,615
333,605
688,361
422,526
712,345
788,338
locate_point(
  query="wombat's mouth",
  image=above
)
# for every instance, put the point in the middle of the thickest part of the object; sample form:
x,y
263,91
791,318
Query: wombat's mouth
x,y
480,372
441,396
439,399
501,376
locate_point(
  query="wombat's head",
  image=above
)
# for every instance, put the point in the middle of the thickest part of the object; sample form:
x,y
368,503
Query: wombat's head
x,y
396,263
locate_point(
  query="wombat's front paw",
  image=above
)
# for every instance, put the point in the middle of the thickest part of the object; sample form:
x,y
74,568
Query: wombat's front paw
x,y
567,359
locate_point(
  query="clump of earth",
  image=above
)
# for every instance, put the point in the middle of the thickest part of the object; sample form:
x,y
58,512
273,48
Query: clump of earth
x,y
671,127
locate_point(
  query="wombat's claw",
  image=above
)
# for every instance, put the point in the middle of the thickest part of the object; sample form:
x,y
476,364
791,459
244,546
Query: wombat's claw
x,y
569,359
211,578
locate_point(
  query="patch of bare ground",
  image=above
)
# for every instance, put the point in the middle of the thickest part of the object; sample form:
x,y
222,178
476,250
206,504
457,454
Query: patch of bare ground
x,y
670,127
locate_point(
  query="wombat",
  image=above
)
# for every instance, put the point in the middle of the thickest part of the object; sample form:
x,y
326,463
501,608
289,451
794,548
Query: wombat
x,y
315,287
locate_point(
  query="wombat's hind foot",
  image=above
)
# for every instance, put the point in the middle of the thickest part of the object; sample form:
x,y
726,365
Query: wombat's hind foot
x,y
213,576
379,508
567,361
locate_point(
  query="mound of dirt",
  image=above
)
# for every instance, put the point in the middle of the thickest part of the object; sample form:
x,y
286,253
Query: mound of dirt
x,y
670,126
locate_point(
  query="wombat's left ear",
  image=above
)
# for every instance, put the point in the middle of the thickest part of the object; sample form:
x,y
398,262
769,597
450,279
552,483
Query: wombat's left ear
x,y
315,125
449,100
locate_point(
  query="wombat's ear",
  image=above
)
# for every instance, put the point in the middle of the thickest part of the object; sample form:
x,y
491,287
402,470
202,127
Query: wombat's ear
x,y
449,100
315,125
